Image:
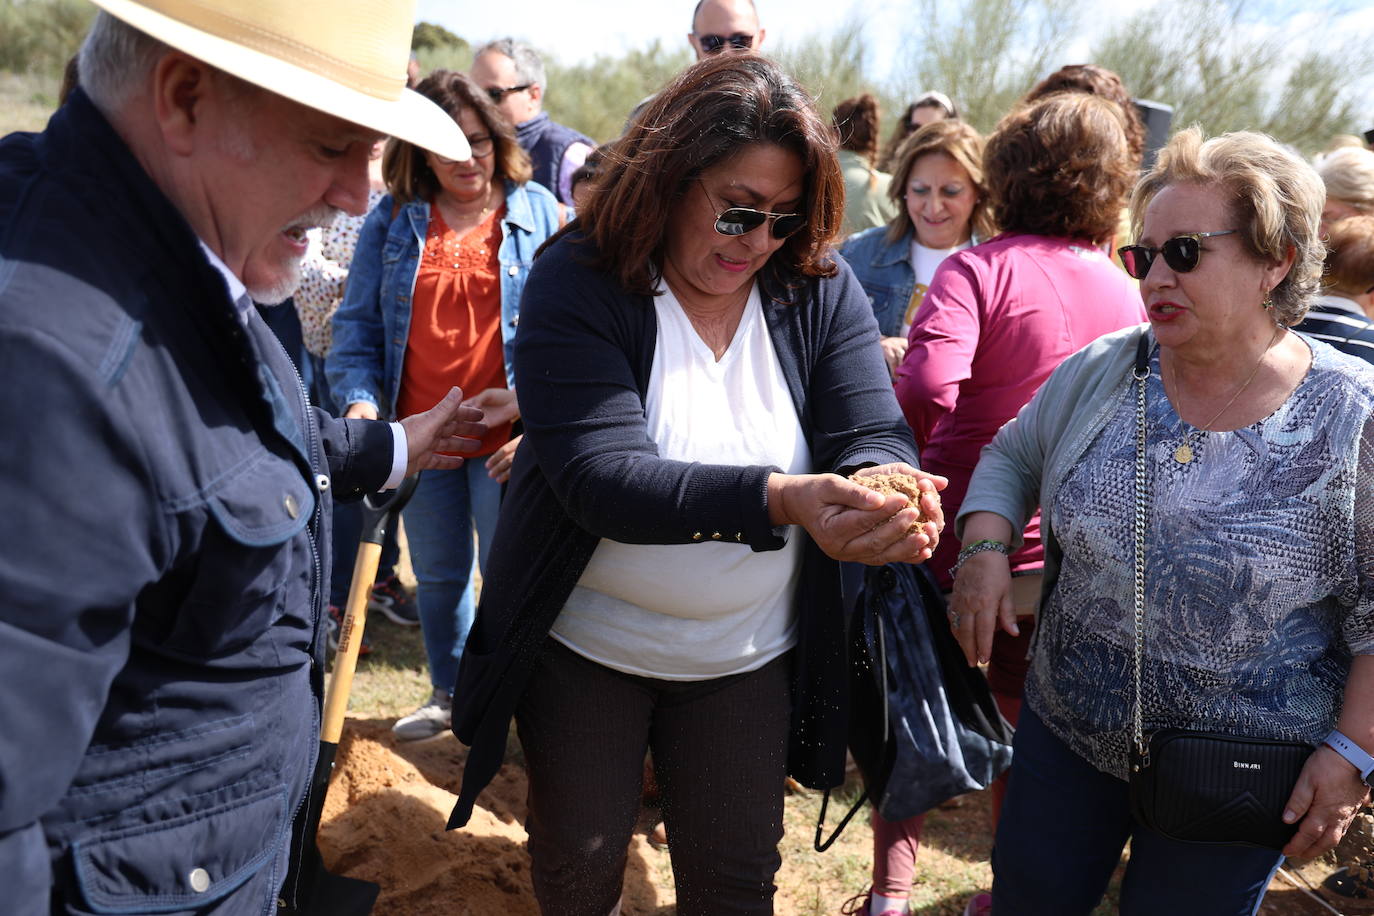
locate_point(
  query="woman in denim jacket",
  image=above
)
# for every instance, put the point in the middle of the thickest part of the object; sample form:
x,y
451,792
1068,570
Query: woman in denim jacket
x,y
432,301
938,189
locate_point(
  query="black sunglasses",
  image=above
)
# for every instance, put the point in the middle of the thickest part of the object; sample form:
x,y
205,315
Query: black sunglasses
x,y
714,43
1181,253
736,221
497,93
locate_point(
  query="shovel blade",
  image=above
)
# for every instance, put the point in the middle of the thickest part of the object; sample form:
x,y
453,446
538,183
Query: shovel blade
x,y
338,895
318,891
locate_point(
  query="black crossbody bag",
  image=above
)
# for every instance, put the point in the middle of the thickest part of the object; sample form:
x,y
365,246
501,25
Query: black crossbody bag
x,y
1196,786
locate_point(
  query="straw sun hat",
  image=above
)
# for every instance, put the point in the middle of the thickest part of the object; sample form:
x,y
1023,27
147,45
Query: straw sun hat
x,y
346,58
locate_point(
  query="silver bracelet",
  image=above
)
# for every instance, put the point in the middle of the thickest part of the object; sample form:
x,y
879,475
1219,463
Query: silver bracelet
x,y
978,547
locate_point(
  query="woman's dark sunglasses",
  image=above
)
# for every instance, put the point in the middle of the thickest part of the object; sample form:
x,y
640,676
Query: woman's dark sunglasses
x,y
1181,253
737,221
713,43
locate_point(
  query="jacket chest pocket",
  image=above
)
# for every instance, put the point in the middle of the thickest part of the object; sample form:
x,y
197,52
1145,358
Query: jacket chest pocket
x,y
181,863
245,564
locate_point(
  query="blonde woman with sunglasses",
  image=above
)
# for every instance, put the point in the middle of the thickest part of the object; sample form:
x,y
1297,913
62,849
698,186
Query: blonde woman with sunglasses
x,y
1234,458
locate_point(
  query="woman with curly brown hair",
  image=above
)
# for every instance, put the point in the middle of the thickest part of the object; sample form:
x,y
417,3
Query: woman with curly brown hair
x,y
999,317
697,377
1103,83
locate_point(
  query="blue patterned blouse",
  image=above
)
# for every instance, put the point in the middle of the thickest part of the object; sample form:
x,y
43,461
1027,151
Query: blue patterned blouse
x,y
1259,577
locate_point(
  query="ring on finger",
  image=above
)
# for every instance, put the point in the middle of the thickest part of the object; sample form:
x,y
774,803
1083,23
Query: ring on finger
x,y
954,620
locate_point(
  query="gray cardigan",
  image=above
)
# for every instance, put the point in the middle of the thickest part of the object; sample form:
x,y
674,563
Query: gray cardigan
x,y
1024,464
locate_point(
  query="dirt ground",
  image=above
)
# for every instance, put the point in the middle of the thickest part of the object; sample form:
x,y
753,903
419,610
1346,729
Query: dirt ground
x,y
388,804
385,816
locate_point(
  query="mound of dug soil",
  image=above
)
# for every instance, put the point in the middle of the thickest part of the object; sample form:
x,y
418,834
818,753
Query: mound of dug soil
x,y
384,820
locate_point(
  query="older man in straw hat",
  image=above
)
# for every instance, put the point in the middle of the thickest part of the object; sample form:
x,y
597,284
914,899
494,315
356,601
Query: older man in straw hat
x,y
166,490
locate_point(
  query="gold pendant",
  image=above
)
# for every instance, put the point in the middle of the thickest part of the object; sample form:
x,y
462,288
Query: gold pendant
x,y
1184,453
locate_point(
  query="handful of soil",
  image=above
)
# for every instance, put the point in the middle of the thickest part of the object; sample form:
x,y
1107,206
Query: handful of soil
x,y
896,483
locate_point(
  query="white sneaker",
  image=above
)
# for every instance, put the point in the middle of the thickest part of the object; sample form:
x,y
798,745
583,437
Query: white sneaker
x,y
433,718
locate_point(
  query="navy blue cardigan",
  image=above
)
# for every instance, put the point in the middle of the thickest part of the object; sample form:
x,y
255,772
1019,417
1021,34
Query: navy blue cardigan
x,y
587,469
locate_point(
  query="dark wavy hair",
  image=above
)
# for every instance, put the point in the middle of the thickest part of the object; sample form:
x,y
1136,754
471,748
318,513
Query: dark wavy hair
x,y
1060,167
856,122
709,113
1098,81
409,177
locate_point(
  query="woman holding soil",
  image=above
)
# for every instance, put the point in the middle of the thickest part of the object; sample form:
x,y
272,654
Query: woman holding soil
x,y
697,377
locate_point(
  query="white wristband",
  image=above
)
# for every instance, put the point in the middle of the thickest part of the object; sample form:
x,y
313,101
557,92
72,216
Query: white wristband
x,y
1355,755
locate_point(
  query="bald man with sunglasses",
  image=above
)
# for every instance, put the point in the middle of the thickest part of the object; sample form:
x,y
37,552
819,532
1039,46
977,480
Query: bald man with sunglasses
x,y
725,27
718,27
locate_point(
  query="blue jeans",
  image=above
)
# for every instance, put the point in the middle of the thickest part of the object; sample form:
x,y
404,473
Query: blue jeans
x,y
1064,824
439,523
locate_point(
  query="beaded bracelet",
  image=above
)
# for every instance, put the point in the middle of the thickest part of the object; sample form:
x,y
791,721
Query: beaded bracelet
x,y
976,547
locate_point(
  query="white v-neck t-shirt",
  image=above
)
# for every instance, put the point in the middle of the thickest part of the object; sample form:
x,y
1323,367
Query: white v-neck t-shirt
x,y
715,608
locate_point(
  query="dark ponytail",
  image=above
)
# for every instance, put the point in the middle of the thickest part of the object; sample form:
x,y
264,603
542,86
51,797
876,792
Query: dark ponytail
x,y
856,122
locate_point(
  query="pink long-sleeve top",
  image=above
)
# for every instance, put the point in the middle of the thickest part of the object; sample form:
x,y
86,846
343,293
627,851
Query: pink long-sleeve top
x,y
997,320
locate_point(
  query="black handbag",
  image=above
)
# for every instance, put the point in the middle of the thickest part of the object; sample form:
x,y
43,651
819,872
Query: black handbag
x,y
1196,786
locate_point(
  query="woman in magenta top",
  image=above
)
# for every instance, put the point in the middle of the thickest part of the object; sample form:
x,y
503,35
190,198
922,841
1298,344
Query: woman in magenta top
x,y
999,317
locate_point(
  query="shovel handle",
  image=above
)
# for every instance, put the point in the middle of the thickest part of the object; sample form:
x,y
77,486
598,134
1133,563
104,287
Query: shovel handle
x,y
350,640
380,512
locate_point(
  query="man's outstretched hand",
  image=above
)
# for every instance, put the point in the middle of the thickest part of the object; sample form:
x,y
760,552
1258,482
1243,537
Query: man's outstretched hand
x,y
446,427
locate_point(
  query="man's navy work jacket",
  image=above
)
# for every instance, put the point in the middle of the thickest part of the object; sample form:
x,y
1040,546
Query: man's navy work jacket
x,y
164,532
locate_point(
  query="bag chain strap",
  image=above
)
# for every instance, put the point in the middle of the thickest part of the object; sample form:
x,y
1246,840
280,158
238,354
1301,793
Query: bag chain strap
x,y
1141,373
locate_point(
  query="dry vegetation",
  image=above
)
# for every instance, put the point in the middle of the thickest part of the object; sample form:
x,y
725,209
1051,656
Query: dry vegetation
x,y
26,101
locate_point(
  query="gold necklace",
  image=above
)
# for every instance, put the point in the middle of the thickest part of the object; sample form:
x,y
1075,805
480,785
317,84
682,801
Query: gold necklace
x,y
463,216
1184,453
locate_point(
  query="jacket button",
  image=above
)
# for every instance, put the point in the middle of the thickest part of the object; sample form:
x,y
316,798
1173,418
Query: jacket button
x,y
715,535
513,270
739,536
696,536
292,509
322,482
199,879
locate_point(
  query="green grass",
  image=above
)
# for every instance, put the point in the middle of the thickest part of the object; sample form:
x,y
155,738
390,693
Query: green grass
x,y
393,680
